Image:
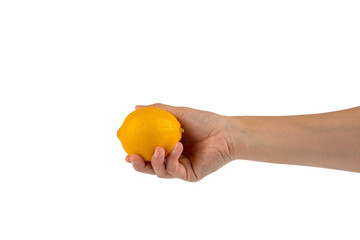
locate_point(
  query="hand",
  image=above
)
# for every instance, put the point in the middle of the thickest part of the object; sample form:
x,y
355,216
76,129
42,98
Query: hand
x,y
203,149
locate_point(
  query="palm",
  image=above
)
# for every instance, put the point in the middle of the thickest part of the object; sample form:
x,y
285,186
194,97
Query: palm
x,y
205,149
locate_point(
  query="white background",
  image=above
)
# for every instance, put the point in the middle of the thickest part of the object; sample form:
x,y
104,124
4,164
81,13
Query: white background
x,y
70,72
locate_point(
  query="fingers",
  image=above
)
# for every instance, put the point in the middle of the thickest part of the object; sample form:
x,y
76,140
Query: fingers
x,y
159,105
156,166
175,165
158,163
140,165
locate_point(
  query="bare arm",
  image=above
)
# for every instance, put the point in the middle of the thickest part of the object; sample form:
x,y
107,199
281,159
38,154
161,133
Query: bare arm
x,y
328,140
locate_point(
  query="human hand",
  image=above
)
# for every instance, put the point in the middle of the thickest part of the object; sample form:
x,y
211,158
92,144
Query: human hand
x,y
203,149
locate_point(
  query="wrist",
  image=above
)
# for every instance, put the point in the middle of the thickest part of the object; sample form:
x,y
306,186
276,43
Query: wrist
x,y
237,135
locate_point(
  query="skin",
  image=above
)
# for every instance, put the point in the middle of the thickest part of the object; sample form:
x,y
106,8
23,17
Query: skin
x,y
327,140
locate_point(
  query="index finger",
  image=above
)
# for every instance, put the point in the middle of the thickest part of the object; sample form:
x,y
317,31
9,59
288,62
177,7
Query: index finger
x,y
140,165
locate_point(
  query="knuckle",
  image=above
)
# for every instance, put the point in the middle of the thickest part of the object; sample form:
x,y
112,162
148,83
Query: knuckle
x,y
157,104
137,168
160,176
171,170
194,179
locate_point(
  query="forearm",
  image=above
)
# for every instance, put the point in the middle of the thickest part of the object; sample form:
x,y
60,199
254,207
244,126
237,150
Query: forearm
x,y
329,140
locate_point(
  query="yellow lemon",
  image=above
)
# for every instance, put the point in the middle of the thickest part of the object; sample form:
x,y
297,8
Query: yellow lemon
x,y
146,128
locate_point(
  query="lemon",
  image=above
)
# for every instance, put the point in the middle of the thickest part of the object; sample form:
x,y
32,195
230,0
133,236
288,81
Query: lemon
x,y
146,128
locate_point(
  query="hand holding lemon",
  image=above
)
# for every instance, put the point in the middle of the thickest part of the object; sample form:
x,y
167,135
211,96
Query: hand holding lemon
x,y
151,134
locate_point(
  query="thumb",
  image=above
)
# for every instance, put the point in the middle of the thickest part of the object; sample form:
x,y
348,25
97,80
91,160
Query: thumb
x,y
171,109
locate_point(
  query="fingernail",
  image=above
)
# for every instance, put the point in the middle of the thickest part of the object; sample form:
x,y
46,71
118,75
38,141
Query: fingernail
x,y
132,161
176,147
139,106
157,152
